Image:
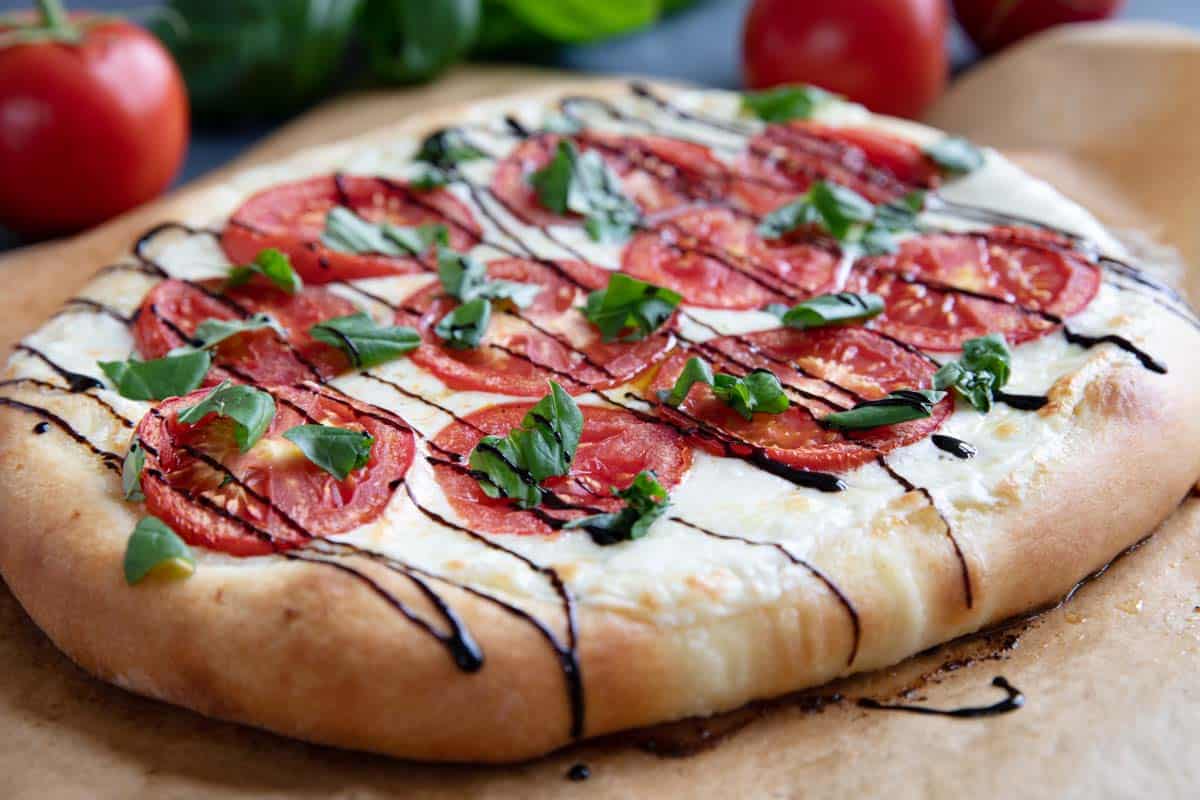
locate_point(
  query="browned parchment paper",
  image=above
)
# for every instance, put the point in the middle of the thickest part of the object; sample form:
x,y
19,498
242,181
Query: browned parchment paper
x,y
1113,707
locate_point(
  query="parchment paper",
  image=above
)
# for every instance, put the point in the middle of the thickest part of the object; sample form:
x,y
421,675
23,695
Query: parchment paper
x,y
1112,704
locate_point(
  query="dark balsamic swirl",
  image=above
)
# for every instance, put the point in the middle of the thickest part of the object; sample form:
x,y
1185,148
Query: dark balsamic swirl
x,y
1012,701
955,447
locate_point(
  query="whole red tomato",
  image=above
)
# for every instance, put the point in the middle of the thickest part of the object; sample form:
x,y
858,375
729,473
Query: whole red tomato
x,y
993,24
888,55
93,121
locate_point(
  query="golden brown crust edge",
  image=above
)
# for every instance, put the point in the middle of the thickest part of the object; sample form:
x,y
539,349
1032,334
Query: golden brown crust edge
x,y
305,651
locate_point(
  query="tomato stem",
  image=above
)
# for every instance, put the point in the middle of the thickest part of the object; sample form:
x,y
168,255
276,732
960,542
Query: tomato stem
x,y
54,16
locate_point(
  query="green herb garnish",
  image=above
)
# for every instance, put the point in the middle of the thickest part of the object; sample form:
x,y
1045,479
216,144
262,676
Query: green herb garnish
x,y
787,102
983,369
897,407
274,265
582,183
759,392
153,548
831,309
367,343
629,309
463,328
338,451
212,332
956,155
645,501
131,473
347,232
250,409
159,378
858,225
465,278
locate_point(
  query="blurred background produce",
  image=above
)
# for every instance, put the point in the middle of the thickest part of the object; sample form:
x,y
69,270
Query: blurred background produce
x,y
249,65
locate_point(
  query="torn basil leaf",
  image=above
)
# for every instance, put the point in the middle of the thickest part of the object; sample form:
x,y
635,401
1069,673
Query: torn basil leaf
x,y
629,309
583,184
367,343
956,155
274,265
347,232
159,378
447,148
463,328
645,501
131,473
250,409
758,392
900,406
831,309
542,446
787,102
338,451
212,332
859,226
153,548
983,369
465,278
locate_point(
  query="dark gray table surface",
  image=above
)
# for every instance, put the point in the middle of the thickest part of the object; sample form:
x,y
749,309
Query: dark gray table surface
x,y
701,44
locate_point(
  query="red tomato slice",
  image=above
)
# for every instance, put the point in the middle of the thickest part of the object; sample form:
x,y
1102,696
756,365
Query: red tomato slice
x,y
291,217
173,309
658,173
856,361
614,448
185,491
783,161
714,258
548,340
1019,267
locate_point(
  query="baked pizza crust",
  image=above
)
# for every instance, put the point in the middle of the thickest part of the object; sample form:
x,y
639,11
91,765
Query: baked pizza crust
x,y
305,651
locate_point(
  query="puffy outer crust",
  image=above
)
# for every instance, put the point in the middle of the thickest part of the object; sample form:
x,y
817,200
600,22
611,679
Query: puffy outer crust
x,y
308,652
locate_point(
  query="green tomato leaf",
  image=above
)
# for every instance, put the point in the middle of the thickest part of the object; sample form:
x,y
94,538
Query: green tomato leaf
x,y
464,327
645,501
212,332
787,102
159,378
956,155
629,309
832,309
465,278
274,265
155,548
338,451
365,342
897,407
250,409
131,473
347,232
414,40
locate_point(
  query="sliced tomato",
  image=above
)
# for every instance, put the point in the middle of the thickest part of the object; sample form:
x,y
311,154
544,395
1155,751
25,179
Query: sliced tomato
x,y
841,366
658,173
276,499
291,217
1026,271
714,257
524,347
783,161
614,448
173,309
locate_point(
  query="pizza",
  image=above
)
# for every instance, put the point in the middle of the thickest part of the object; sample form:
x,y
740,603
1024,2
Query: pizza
x,y
571,413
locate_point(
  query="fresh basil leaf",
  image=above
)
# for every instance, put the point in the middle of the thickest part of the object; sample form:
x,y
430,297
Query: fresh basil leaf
x,y
212,332
414,40
155,548
629,309
787,102
788,217
464,327
582,183
465,278
897,407
338,451
428,178
983,369
365,342
131,473
858,225
250,409
759,392
159,378
448,148
645,501
839,209
542,446
274,265
956,155
347,232
832,309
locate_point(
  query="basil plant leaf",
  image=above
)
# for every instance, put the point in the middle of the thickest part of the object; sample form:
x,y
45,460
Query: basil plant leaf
x,y
338,451
272,264
367,343
582,183
956,155
984,368
212,332
347,232
463,328
542,446
832,309
131,473
414,40
154,548
786,103
900,406
159,378
465,278
759,392
250,409
629,309
645,501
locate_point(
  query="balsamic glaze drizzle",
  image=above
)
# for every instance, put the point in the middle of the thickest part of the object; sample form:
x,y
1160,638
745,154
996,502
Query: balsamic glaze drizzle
x,y
955,447
1012,701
